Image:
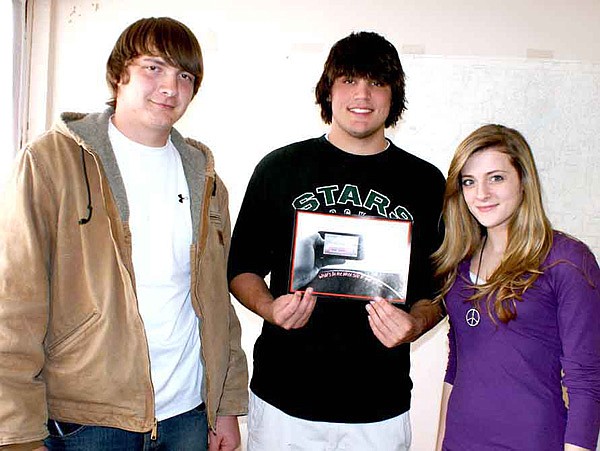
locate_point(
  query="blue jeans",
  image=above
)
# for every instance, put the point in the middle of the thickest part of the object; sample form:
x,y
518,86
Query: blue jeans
x,y
185,432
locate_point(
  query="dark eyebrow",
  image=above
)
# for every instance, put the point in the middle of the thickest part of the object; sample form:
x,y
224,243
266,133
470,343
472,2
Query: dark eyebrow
x,y
155,60
160,61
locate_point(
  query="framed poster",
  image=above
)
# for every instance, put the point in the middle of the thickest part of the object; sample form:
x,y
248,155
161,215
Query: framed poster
x,y
354,257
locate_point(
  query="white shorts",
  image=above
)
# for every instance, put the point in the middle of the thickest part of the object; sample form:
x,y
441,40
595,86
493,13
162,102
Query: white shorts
x,y
270,429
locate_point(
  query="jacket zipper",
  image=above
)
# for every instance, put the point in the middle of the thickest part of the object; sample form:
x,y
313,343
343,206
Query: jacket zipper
x,y
200,250
154,432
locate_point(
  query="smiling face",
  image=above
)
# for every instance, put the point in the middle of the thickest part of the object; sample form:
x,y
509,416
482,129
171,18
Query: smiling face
x,y
153,97
491,188
359,107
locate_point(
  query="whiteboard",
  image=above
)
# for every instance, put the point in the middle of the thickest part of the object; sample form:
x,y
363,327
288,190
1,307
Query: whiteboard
x,y
556,105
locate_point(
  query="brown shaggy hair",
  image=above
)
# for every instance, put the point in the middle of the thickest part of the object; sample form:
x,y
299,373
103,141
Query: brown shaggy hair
x,y
163,37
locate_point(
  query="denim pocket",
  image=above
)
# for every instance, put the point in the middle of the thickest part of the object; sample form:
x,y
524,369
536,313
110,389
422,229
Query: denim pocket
x,y
62,429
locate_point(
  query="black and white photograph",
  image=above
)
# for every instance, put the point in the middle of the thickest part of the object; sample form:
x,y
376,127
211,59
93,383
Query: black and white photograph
x,y
355,257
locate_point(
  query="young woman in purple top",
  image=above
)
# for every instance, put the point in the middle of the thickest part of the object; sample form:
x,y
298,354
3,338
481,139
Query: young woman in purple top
x,y
524,308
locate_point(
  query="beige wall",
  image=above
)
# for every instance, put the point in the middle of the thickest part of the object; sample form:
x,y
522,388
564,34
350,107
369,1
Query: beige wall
x,y
530,64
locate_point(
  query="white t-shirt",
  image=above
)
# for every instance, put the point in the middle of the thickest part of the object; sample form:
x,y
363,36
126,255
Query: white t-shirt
x,y
161,233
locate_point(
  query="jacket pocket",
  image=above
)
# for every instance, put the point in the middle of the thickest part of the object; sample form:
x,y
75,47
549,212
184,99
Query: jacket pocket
x,y
62,342
216,221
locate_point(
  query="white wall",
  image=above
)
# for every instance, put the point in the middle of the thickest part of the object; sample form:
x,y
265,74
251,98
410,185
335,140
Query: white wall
x,y
530,64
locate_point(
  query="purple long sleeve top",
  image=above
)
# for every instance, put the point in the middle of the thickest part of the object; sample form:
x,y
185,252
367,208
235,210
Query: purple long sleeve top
x,y
506,378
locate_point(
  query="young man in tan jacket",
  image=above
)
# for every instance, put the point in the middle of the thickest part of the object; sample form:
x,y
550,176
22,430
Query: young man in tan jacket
x,y
116,327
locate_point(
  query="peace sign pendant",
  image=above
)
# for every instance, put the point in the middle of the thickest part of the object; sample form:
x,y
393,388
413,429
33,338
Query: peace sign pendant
x,y
472,317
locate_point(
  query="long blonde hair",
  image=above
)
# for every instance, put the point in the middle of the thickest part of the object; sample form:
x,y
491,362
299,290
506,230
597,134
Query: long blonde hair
x,y
529,230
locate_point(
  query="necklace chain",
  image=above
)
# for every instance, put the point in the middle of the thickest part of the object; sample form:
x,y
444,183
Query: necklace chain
x,y
473,317
480,259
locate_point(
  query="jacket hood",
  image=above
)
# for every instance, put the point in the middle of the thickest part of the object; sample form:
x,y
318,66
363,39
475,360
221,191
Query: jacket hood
x,y
90,131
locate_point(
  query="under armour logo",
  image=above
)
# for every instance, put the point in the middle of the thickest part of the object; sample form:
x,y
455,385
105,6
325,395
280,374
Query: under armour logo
x,y
472,317
182,198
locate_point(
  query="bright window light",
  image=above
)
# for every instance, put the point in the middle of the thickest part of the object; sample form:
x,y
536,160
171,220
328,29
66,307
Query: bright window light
x,y
7,132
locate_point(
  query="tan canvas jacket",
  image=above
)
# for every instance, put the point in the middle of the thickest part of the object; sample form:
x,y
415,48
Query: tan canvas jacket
x,y
72,343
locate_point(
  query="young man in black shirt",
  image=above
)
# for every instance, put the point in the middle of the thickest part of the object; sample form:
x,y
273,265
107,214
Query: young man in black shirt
x,y
334,373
